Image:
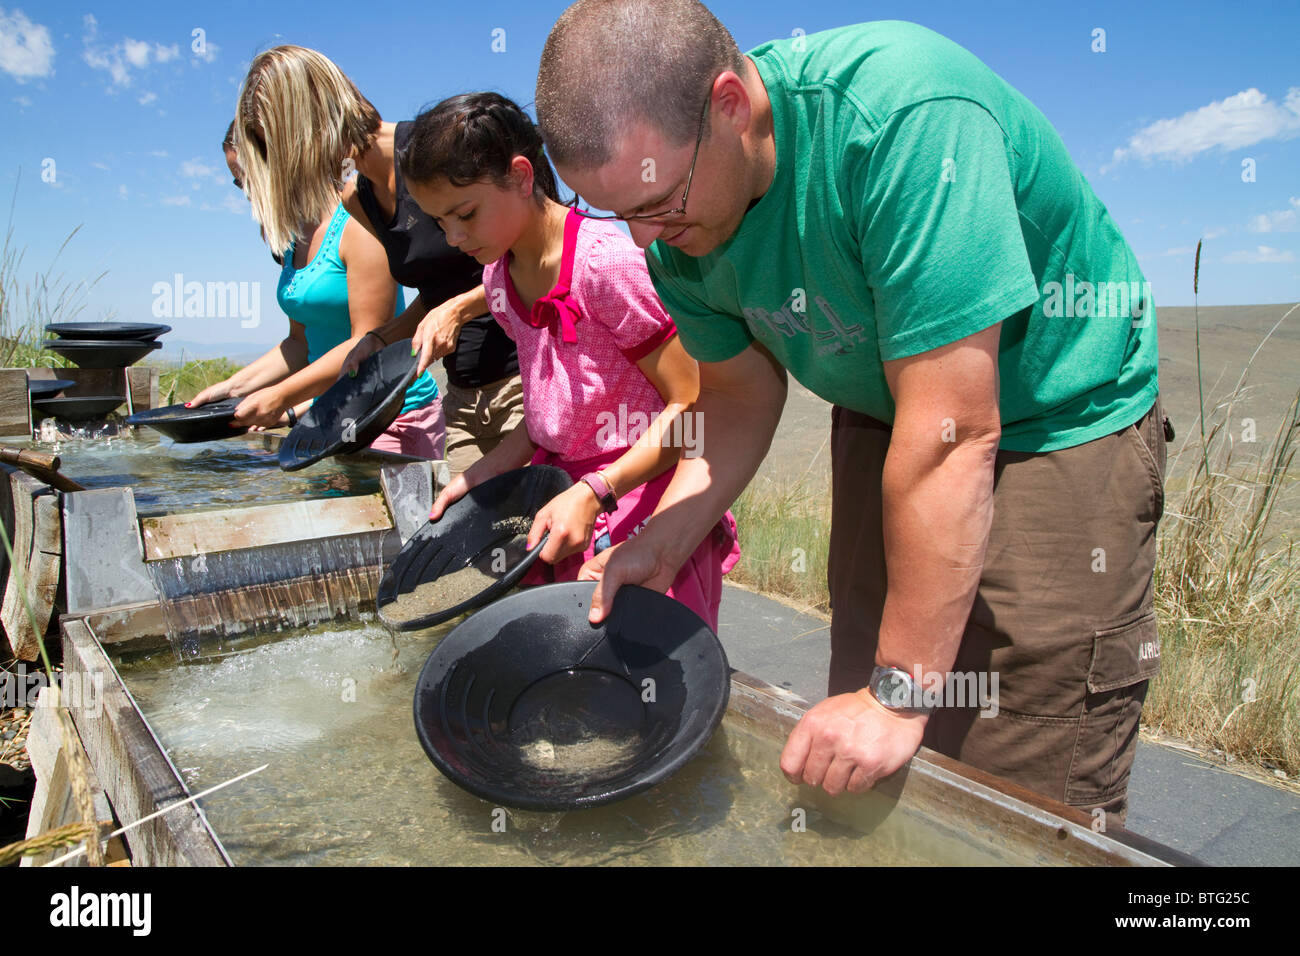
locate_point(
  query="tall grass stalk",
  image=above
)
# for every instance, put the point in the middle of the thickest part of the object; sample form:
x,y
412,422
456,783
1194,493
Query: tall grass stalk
x,y
27,306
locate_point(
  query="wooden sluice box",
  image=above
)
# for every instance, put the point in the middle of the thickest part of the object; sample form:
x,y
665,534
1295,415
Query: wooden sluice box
x,y
944,811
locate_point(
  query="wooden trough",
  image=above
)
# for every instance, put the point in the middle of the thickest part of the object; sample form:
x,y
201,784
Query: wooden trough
x,y
998,821
1001,822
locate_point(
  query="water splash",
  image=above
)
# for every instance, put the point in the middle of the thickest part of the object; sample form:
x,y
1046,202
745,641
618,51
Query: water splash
x,y
208,599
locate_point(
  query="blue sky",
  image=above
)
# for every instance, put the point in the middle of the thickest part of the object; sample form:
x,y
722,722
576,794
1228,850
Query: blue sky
x,y
114,114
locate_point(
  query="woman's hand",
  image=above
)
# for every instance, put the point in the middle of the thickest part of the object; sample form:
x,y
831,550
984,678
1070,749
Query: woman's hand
x,y
264,407
213,393
437,333
456,489
366,347
570,517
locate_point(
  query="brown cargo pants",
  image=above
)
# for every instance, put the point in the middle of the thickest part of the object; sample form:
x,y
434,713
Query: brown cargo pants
x,y
478,419
1064,614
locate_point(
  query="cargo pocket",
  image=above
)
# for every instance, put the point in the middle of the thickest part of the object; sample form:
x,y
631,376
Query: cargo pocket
x,y
1124,658
1124,655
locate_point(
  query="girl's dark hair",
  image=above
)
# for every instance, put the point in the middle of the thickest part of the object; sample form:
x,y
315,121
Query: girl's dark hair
x,y
472,137
228,144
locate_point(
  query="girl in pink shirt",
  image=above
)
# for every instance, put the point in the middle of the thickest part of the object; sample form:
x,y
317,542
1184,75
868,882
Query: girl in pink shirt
x,y
608,387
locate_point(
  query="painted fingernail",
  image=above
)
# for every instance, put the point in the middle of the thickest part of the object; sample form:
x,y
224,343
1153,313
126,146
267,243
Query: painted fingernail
x,y
414,350
352,373
187,404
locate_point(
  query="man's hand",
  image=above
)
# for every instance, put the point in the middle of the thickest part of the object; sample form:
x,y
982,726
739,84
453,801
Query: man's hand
x,y
631,562
848,742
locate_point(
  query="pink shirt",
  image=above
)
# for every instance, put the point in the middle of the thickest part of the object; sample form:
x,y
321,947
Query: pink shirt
x,y
583,393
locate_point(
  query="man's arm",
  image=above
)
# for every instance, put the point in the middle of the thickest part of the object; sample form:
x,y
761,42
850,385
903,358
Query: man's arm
x,y
739,407
937,498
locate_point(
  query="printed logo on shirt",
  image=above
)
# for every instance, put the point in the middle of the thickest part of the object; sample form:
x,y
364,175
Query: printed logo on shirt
x,y
792,319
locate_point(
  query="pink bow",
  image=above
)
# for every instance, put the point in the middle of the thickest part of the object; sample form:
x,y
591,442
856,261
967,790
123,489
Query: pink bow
x,y
556,307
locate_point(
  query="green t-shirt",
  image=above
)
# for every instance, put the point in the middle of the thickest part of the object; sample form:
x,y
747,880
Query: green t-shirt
x,y
919,199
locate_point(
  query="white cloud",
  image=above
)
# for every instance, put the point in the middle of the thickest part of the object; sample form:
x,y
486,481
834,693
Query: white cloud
x,y
1283,220
120,59
1238,121
1261,254
1214,232
99,165
195,168
136,52
210,51
176,200
25,49
121,191
147,98
23,101
1179,251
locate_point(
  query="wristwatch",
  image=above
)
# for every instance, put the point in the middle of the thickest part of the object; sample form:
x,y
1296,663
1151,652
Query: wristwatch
x,y
896,691
603,490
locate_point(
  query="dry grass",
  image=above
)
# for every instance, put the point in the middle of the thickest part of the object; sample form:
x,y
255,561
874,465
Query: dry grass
x,y
785,540
1228,597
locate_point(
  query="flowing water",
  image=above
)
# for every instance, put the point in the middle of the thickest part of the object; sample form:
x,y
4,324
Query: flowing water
x,y
168,477
210,601
330,710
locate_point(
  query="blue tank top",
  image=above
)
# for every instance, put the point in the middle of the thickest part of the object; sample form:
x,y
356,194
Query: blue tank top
x,y
317,297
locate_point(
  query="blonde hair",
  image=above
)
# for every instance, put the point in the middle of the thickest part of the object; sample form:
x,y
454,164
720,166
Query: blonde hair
x,y
298,118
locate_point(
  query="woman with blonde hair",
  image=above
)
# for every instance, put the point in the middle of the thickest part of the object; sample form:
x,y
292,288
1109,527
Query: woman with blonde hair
x,y
302,130
335,288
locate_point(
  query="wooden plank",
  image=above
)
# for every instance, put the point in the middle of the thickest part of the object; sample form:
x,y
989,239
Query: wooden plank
x,y
142,388
15,403
37,548
132,766
181,535
53,803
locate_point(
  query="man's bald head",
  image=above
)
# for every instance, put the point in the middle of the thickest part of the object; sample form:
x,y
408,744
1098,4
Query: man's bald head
x,y
609,64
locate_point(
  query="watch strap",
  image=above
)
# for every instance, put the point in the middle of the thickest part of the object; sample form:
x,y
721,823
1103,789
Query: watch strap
x,y
601,488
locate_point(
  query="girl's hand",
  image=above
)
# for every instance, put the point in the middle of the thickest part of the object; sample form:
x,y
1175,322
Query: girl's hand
x,y
570,517
213,393
263,407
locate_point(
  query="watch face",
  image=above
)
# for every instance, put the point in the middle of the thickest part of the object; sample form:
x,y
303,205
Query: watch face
x,y
894,690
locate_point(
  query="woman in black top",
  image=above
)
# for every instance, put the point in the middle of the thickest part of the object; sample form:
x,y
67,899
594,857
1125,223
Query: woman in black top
x,y
303,129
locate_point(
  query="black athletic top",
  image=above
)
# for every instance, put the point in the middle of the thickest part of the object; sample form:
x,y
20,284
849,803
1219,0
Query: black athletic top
x,y
419,258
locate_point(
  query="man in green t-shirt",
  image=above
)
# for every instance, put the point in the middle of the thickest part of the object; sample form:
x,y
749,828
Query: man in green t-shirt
x,y
875,211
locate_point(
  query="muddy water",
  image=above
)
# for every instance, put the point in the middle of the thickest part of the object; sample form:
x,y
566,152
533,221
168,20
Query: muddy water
x,y
348,783
442,593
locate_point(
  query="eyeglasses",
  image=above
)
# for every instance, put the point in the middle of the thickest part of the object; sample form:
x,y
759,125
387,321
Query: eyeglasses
x,y
576,202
